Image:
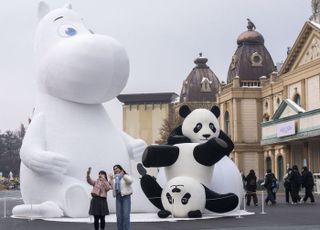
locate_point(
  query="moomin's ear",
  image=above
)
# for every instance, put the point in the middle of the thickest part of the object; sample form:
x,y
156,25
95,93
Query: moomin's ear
x,y
68,6
43,9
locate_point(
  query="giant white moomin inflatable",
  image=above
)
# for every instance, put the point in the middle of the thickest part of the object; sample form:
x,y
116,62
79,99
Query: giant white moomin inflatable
x,y
70,130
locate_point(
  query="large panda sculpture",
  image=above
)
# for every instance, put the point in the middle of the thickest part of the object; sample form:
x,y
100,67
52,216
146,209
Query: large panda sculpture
x,y
192,151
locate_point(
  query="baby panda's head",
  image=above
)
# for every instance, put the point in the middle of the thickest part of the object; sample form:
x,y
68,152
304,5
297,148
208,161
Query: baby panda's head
x,y
182,195
200,125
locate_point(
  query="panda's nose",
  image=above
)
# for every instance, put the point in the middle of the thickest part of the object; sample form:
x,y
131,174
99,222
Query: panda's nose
x,y
206,136
176,190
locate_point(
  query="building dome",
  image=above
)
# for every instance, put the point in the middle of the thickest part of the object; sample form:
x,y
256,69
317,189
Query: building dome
x,y
201,84
251,59
250,37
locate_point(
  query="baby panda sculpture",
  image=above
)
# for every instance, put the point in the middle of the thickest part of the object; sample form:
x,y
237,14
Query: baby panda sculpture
x,y
182,195
192,151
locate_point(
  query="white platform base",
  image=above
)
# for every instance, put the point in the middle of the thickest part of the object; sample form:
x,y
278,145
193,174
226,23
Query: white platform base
x,y
144,217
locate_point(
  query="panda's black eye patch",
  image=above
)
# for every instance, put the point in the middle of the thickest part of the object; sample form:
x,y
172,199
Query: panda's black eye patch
x,y
185,198
211,126
197,128
169,198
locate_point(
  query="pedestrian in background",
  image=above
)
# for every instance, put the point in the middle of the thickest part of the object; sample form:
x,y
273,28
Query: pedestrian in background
x,y
287,186
307,183
269,177
251,188
295,184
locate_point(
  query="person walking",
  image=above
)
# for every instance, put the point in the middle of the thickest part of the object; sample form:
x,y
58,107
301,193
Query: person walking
x,y
251,188
98,205
122,191
307,183
269,177
295,183
287,185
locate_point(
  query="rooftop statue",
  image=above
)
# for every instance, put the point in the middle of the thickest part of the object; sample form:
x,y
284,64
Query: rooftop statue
x,y
250,25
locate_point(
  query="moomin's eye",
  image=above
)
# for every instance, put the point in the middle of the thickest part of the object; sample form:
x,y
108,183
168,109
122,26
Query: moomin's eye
x,y
68,31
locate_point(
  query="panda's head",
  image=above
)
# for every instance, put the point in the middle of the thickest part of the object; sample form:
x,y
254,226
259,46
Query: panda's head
x,y
200,125
183,194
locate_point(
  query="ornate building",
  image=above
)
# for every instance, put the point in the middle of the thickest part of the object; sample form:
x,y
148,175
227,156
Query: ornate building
x,y
292,102
272,117
240,99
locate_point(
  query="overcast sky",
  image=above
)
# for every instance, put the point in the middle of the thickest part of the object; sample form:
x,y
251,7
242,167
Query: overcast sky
x,y
162,38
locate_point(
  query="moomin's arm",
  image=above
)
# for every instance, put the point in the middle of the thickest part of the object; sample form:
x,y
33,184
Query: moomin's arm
x,y
33,151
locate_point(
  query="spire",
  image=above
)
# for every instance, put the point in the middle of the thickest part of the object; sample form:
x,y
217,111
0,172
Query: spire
x,y
315,4
201,62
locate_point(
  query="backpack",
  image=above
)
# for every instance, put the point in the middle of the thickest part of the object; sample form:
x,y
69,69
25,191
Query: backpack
x,y
274,185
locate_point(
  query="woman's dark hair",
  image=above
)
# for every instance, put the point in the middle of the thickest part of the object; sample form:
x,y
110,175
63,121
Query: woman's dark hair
x,y
103,173
120,167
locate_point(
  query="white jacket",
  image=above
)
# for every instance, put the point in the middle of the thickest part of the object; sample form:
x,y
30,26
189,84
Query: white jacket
x,y
125,185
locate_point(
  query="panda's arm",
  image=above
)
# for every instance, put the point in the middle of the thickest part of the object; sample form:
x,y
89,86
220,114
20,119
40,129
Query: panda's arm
x,y
226,138
160,155
211,152
176,137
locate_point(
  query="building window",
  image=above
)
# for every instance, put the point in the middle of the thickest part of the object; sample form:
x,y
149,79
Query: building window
x,y
256,59
280,167
278,101
206,85
227,122
268,163
234,61
266,105
297,99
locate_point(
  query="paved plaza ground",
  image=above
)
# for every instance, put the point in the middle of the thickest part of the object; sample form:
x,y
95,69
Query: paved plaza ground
x,y
281,216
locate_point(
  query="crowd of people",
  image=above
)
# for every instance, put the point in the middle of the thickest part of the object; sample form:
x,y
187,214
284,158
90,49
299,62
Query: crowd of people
x,y
293,183
120,183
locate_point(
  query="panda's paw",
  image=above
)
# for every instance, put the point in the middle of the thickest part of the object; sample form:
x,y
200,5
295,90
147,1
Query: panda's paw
x,y
141,170
218,142
195,214
164,213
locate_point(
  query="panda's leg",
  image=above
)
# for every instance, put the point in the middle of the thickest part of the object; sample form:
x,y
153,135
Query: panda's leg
x,y
195,214
220,203
152,190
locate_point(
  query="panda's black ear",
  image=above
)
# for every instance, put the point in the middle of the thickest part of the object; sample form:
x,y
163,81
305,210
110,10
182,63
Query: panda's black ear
x,y
184,111
215,110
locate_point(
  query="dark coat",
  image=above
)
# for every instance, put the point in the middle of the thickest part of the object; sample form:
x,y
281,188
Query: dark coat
x,y
307,179
268,180
251,182
295,179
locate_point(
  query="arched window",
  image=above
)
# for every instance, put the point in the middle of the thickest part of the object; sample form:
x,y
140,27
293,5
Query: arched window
x,y
266,117
278,101
280,167
227,122
297,99
268,163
